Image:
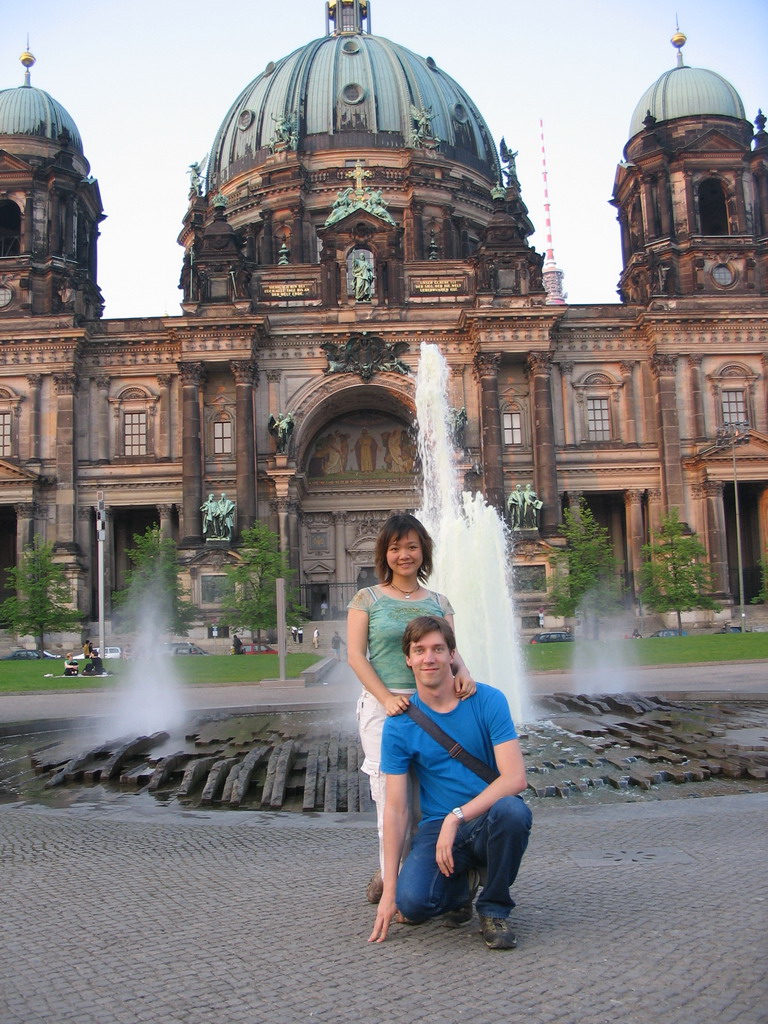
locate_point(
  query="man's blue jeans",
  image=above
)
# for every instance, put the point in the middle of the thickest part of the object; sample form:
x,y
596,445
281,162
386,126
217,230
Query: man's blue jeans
x,y
494,843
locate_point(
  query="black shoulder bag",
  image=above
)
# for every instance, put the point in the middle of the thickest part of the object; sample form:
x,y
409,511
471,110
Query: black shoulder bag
x,y
455,750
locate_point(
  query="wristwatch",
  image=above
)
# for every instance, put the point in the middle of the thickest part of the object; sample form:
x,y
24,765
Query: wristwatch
x,y
458,812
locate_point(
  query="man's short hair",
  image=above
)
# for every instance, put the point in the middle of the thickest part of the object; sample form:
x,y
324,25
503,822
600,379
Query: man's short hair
x,y
418,628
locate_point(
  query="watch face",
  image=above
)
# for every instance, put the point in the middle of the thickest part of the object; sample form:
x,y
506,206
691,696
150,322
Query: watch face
x,y
6,295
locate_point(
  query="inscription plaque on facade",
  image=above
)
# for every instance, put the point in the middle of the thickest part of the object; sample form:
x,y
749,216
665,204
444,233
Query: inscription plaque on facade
x,y
437,285
289,290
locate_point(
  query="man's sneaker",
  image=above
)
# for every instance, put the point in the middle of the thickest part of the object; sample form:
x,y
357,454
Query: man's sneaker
x,y
375,887
497,932
456,918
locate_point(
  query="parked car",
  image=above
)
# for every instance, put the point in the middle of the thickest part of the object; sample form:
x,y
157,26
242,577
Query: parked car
x,y
668,632
109,652
179,649
22,654
729,628
557,636
254,648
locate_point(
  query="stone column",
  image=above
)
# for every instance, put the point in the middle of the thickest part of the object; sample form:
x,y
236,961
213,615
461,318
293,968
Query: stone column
x,y
539,364
633,510
649,209
65,385
165,430
102,438
29,216
340,546
25,528
665,209
697,399
35,381
166,525
192,376
664,369
717,546
567,398
628,403
486,367
655,509
245,375
294,554
281,506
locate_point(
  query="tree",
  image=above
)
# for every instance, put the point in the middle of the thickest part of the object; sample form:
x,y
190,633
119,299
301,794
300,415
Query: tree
x,y
43,595
672,577
249,598
153,588
587,578
762,596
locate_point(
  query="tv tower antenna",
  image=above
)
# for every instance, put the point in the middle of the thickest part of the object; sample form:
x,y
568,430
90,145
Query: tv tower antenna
x,y
551,274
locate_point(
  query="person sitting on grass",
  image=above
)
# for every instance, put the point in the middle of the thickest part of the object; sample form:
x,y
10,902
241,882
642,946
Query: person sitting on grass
x,y
70,665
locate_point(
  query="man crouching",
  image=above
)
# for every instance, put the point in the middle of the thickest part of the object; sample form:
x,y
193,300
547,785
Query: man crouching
x,y
469,828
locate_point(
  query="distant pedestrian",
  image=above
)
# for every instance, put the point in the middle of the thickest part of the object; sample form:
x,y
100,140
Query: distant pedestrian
x,y
323,609
294,632
541,618
300,635
87,649
316,638
237,645
336,643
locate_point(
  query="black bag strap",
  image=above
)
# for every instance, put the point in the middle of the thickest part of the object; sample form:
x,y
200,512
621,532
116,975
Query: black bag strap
x,y
455,750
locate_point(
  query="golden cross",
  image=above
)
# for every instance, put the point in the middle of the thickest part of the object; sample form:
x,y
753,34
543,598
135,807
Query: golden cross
x,y
358,172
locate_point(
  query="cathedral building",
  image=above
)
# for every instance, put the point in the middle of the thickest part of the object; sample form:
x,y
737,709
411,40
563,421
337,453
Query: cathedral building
x,y
354,206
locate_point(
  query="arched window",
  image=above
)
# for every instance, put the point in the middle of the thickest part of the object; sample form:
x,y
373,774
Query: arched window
x,y
713,215
10,228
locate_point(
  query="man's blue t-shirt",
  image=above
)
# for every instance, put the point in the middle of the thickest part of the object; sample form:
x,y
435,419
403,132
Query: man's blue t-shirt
x,y
478,724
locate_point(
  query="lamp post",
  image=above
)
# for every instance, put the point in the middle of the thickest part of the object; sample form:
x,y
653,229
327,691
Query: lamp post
x,y
728,436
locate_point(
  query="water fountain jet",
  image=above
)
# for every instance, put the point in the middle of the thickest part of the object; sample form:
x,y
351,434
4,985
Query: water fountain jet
x,y
471,562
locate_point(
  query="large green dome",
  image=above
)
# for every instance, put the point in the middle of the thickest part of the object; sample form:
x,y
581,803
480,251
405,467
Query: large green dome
x,y
348,91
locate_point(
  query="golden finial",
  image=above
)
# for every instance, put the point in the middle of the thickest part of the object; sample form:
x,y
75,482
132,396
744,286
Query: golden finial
x,y
28,60
679,40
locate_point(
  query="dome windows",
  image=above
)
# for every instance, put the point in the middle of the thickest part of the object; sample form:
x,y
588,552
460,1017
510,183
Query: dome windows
x,y
10,228
713,214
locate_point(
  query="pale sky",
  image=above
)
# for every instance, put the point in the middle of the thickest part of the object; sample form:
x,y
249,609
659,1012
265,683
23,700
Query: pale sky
x,y
148,84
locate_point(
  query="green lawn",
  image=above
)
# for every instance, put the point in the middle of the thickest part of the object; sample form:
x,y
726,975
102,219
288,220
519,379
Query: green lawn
x,y
29,676
672,650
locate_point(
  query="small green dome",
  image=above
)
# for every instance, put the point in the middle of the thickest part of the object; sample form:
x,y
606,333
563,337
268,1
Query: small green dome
x,y
687,92
29,111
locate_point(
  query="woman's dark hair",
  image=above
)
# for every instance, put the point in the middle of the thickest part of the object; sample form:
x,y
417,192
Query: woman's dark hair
x,y
395,528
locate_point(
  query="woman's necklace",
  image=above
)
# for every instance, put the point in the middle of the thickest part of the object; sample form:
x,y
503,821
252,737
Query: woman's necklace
x,y
406,593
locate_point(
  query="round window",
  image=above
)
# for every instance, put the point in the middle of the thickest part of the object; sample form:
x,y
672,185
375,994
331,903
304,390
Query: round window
x,y
353,93
460,113
722,275
6,296
351,46
245,120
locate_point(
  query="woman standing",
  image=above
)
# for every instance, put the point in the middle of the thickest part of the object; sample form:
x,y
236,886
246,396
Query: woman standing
x,y
376,621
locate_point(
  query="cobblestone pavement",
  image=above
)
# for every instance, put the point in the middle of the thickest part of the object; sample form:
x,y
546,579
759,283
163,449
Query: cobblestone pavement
x,y
634,914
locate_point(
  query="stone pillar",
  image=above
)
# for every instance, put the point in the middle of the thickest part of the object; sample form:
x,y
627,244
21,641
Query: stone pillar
x,y
628,402
665,209
633,510
65,385
35,381
245,375
539,364
664,368
569,406
697,400
29,217
25,528
655,509
86,538
340,546
717,546
294,555
281,506
166,525
165,429
649,210
192,376
102,437
486,367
